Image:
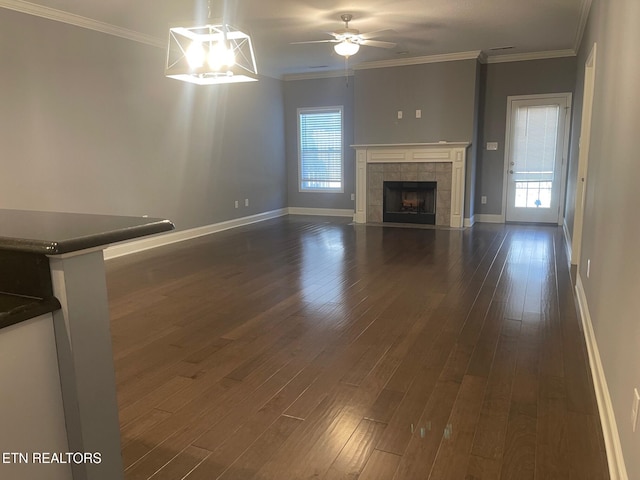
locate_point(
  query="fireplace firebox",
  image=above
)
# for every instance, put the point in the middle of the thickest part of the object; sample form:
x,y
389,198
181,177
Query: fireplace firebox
x,y
409,202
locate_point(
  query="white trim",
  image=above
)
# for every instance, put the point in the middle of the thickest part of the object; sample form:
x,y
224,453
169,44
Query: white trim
x,y
410,145
584,142
522,57
566,97
328,212
147,243
82,22
468,222
617,467
399,62
567,241
479,55
582,23
315,75
489,218
98,26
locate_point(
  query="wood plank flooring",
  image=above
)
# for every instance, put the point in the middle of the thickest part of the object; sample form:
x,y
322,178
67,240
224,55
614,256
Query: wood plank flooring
x,y
307,347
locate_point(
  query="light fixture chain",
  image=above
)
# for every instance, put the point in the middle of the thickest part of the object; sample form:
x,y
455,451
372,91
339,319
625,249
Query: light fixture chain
x,y
346,69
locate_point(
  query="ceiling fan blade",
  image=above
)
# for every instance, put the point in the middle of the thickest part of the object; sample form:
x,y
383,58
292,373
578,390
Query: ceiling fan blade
x,y
377,43
377,33
314,41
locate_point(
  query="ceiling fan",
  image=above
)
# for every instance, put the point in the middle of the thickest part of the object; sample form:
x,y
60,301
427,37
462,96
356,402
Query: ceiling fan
x,y
348,40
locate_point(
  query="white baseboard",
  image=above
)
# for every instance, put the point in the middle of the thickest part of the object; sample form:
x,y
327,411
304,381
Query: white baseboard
x,y
147,243
468,222
617,467
488,218
329,212
567,242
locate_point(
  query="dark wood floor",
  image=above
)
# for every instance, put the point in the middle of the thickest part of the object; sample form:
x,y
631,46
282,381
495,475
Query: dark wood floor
x,y
311,348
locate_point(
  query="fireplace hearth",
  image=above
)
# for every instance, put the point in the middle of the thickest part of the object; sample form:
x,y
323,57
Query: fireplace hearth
x,y
409,202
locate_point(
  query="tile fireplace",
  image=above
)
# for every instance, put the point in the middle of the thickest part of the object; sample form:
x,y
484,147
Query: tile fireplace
x,y
439,164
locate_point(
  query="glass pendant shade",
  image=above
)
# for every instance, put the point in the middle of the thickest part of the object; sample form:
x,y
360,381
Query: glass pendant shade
x,y
346,48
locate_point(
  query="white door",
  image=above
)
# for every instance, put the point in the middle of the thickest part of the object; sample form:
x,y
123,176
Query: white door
x,y
537,142
583,156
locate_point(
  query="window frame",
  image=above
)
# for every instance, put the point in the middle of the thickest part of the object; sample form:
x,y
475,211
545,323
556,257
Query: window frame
x,y
307,110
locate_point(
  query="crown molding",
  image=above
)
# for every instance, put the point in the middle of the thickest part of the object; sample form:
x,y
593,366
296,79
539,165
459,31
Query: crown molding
x,y
447,57
314,75
109,29
481,56
79,21
520,57
582,23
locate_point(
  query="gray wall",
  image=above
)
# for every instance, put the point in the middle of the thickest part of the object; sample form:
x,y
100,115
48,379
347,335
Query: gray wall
x,y
322,92
90,124
445,92
499,81
611,230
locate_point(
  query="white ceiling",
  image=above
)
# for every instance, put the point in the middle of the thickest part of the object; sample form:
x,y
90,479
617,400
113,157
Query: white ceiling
x,y
419,27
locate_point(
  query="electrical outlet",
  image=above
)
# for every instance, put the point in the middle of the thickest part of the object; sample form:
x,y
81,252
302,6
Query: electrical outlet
x,y
237,204
634,409
399,114
353,196
492,145
418,113
588,267
483,199
246,202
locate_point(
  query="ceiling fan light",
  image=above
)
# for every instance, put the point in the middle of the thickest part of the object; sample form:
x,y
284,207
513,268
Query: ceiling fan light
x,y
346,48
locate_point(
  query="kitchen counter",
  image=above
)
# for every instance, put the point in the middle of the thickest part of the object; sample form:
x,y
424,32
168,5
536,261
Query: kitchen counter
x,y
55,341
16,308
55,233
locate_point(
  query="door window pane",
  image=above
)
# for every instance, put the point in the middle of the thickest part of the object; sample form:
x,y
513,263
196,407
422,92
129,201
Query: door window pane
x,y
533,194
535,147
536,134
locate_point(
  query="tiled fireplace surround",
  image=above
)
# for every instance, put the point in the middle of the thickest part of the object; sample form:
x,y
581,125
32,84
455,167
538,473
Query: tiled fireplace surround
x,y
443,163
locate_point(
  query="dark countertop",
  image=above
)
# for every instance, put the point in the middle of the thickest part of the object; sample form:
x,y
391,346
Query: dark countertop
x,y
53,233
28,237
15,308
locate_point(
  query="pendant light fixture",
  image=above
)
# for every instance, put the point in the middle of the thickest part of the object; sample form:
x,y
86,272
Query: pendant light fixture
x,y
210,54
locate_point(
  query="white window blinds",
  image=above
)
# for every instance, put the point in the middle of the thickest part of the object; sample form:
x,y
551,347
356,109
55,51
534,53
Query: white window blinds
x,y
320,149
536,137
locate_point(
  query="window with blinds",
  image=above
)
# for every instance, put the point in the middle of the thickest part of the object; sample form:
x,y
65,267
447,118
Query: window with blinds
x,y
536,137
320,149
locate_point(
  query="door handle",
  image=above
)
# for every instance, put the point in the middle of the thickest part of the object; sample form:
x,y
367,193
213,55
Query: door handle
x,y
511,172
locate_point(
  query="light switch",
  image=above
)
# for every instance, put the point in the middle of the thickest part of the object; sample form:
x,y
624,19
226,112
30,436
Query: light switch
x,y
399,114
418,113
492,145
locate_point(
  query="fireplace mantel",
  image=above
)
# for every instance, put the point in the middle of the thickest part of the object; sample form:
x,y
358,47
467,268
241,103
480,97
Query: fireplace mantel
x,y
441,152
